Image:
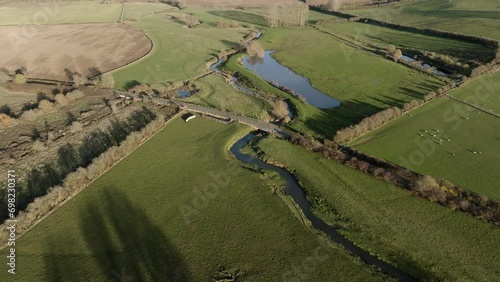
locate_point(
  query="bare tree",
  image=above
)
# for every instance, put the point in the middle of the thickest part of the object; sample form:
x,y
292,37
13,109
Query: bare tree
x,y
20,78
280,110
106,81
396,56
391,49
334,5
78,79
254,49
287,15
4,76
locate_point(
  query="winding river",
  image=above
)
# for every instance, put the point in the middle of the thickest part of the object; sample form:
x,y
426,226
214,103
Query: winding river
x,y
293,189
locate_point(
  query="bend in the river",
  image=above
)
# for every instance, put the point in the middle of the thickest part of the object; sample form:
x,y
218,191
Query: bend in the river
x,y
297,193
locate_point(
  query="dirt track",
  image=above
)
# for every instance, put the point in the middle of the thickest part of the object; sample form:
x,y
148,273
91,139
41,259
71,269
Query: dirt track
x,y
49,51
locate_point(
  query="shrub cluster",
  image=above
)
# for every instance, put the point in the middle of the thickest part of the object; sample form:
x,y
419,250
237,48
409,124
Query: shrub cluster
x,y
38,181
188,19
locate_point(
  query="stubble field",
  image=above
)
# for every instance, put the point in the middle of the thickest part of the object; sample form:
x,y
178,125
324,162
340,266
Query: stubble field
x,y
57,51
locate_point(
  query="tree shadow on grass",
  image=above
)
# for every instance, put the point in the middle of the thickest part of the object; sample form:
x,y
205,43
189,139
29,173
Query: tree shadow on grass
x,y
131,83
123,242
328,121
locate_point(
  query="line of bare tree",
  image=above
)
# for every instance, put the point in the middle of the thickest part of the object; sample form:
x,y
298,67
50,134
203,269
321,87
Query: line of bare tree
x,y
287,14
38,181
433,189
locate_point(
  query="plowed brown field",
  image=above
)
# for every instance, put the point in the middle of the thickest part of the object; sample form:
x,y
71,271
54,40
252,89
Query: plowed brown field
x,y
57,51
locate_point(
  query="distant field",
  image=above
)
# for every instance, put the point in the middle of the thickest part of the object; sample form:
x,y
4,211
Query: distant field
x,y
52,51
179,53
478,17
467,129
215,92
365,84
136,11
234,4
408,40
135,221
425,239
25,13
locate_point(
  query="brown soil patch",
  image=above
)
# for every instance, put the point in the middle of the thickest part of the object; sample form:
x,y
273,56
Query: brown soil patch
x,y
56,51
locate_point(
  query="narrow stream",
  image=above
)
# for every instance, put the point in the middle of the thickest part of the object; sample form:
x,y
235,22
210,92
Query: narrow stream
x,y
297,193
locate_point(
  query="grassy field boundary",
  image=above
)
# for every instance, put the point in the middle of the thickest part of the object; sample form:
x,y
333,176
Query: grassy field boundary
x,y
374,53
3,244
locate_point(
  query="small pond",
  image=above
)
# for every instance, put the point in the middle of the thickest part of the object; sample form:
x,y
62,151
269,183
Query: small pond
x,y
183,93
422,65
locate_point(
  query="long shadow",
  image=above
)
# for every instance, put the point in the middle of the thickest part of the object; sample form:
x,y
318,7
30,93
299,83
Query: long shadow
x,y
240,16
330,120
123,242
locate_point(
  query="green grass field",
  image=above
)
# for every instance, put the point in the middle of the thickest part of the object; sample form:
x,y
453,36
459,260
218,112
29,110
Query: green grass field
x,y
405,142
425,239
178,209
135,11
479,17
216,93
179,53
413,41
59,13
365,84
482,92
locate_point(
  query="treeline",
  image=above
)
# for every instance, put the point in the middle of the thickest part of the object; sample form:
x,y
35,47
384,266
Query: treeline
x,y
38,181
436,190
